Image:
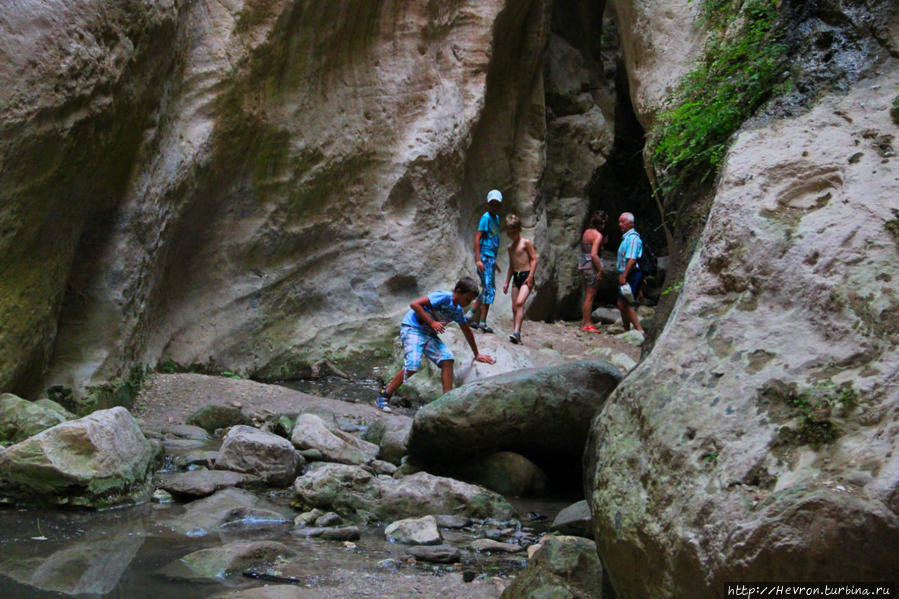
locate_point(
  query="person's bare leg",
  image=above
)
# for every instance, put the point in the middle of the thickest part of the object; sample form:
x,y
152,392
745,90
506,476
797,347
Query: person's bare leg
x,y
628,315
587,308
446,374
397,380
518,301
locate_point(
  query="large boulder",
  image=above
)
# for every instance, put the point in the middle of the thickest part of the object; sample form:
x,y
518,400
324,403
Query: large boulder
x,y
215,563
563,567
97,461
544,414
353,491
505,472
758,440
335,445
20,418
261,454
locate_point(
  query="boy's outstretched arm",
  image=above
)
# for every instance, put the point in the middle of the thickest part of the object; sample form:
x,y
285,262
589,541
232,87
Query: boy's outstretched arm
x,y
418,306
477,251
469,336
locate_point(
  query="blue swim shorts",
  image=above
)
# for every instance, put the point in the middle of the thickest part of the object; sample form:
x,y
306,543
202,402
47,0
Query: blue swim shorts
x,y
488,280
417,342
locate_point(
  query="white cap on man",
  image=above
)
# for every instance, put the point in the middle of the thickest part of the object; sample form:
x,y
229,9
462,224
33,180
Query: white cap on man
x,y
494,196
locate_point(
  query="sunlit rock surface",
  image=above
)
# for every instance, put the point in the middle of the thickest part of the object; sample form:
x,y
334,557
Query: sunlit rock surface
x,y
100,460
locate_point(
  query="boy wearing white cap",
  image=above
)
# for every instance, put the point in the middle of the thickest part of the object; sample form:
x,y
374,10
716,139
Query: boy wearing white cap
x,y
486,244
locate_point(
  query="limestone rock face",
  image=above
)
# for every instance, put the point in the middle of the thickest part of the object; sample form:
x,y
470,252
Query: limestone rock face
x,y
563,566
758,439
660,43
248,184
97,461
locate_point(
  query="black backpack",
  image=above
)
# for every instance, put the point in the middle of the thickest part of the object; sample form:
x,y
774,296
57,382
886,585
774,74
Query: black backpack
x,y
648,262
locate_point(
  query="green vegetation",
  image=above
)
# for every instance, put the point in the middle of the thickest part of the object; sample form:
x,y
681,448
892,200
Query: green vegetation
x,y
117,392
741,68
894,111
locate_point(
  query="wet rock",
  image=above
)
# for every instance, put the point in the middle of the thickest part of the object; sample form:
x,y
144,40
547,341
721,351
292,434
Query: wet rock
x,y
330,533
414,531
492,546
216,563
437,554
311,432
261,454
20,418
162,496
213,417
544,414
311,455
505,472
228,508
186,431
561,567
202,482
195,457
354,492
575,520
329,519
97,461
307,518
452,521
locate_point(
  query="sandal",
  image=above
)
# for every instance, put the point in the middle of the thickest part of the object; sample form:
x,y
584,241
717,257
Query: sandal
x,y
590,329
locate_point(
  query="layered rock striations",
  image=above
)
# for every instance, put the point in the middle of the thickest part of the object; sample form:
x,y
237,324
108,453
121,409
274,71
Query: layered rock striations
x,y
245,184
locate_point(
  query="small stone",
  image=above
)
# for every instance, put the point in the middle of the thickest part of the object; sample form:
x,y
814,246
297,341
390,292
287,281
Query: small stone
x,y
439,554
162,496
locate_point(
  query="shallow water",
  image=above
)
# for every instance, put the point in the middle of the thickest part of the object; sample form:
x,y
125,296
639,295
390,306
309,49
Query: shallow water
x,y
119,553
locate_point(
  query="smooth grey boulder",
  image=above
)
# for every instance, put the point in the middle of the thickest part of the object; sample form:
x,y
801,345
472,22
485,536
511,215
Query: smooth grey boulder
x,y
264,455
352,491
20,418
414,531
100,460
561,567
335,445
544,414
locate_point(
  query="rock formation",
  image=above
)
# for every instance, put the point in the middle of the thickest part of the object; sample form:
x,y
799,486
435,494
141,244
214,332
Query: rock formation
x,y
755,441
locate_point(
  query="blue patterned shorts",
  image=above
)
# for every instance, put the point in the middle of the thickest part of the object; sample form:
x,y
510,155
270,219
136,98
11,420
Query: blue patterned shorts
x,y
417,343
488,282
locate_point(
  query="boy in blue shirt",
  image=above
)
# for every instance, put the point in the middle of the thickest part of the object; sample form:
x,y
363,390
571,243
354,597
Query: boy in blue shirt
x,y
486,244
418,331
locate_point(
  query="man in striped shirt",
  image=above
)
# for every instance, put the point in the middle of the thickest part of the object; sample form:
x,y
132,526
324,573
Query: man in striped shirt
x,y
629,251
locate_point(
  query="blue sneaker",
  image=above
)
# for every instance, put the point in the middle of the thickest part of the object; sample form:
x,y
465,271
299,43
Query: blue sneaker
x,y
382,401
484,328
515,337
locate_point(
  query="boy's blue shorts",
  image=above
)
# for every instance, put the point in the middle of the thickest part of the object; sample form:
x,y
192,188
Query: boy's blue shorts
x,y
488,280
417,343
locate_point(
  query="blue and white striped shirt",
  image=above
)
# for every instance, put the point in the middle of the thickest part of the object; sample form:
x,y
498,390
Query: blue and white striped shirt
x,y
631,247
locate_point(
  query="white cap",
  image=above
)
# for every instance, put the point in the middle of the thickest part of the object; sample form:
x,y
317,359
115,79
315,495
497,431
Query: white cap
x,y
494,196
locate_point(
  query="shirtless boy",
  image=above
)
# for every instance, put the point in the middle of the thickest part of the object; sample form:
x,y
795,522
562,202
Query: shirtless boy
x,y
522,265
